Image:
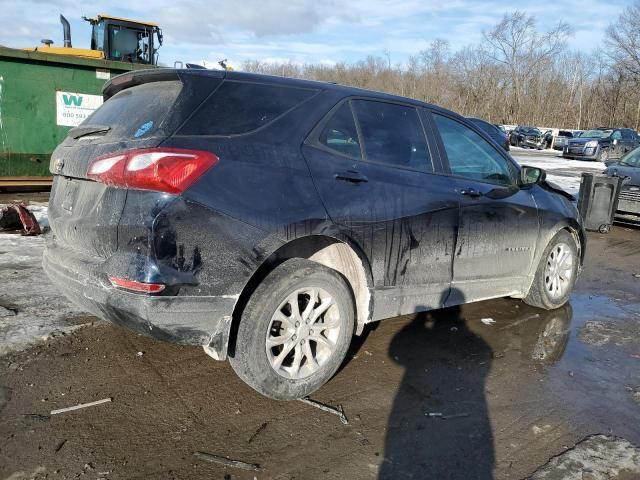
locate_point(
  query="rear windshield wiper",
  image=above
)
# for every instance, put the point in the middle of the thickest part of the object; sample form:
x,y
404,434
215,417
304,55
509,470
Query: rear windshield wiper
x,y
88,130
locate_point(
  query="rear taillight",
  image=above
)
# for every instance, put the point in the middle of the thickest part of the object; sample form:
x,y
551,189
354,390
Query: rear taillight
x,y
170,170
134,286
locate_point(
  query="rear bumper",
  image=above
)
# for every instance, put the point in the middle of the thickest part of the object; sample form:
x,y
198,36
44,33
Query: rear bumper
x,y
192,320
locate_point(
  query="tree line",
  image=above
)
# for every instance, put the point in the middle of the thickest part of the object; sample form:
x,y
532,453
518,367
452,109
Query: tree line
x,y
517,74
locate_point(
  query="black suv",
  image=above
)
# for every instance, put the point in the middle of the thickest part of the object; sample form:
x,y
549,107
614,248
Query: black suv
x,y
526,137
269,219
601,144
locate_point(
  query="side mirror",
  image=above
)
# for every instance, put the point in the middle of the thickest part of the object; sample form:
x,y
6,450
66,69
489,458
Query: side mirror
x,y
615,141
532,175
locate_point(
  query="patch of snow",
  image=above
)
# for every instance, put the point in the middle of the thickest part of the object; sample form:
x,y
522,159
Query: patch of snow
x,y
603,457
32,308
41,211
563,172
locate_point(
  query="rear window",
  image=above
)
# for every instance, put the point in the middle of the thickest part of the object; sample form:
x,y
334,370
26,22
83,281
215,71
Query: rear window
x,y
137,111
241,107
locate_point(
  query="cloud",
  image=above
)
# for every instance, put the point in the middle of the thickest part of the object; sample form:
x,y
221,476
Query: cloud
x,y
302,30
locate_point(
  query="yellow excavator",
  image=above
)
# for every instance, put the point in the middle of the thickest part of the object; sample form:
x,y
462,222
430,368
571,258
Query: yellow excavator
x,y
112,38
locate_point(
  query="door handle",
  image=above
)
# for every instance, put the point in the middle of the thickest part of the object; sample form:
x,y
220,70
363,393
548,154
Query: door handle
x,y
471,192
351,176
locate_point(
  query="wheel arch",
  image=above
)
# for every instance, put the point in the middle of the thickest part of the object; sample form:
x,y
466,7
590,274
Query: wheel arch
x,y
576,231
340,255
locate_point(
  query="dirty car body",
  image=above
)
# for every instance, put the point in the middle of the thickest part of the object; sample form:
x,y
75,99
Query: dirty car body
x,y
284,168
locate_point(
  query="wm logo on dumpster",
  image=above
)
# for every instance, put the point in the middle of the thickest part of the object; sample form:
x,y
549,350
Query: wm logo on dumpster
x,y
72,100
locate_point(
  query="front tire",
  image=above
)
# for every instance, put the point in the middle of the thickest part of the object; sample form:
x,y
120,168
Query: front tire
x,y
603,156
556,273
295,330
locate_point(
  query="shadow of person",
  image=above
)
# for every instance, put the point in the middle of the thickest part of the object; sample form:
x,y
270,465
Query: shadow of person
x,y
446,366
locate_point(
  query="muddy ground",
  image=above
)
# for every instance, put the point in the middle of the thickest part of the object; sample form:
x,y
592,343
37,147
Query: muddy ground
x,y
515,396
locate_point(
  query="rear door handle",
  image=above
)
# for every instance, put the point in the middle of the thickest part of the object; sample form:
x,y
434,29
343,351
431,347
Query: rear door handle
x,y
470,192
351,176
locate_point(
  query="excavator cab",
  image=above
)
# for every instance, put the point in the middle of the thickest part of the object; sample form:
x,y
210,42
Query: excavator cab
x,y
125,40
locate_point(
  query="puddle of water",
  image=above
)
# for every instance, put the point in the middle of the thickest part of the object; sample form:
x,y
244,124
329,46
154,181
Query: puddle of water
x,y
598,372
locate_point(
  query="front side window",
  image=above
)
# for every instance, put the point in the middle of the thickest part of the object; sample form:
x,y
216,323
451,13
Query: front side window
x,y
616,135
392,134
339,133
471,156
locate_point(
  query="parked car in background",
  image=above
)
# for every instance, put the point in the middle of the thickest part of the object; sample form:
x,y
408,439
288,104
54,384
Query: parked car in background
x,y
601,144
629,200
270,219
526,137
497,134
562,139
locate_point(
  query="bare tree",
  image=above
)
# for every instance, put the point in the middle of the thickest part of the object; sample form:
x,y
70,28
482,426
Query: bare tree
x,y
623,41
516,75
517,44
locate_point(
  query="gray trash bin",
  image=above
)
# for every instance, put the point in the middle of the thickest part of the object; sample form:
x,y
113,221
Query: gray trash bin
x,y
598,201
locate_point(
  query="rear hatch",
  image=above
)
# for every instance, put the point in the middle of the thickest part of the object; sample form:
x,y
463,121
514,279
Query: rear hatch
x,y
141,110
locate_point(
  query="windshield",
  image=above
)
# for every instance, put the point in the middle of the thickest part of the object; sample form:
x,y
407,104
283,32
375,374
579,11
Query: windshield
x,y
596,133
632,158
531,131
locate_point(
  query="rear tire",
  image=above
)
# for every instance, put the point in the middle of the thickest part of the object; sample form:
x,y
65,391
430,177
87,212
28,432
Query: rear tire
x,y
556,273
286,354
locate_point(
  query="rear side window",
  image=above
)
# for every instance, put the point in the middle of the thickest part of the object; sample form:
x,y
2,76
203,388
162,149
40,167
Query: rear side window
x,y
339,133
137,111
392,134
241,107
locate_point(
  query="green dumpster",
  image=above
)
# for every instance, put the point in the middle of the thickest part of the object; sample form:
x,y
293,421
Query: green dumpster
x,y
42,96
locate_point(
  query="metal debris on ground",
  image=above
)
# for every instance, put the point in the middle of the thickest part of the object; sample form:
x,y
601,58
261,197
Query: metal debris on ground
x,y
82,405
37,416
16,216
446,417
455,415
488,321
226,461
327,408
258,431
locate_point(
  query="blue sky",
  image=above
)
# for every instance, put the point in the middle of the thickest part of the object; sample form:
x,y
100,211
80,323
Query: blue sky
x,y
326,31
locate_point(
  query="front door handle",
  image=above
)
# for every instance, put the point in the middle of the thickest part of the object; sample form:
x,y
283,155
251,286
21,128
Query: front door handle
x,y
470,192
351,176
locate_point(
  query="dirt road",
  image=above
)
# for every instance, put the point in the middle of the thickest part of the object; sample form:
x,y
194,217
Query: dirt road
x,y
505,397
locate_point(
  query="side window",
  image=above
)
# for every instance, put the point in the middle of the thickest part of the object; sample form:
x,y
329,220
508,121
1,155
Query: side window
x,y
616,135
392,134
340,134
471,156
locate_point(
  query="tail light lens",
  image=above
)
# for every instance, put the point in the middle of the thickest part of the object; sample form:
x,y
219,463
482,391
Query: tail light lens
x,y
170,170
136,286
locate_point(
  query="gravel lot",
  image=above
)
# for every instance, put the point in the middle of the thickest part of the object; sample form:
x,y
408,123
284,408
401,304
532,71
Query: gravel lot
x,y
537,394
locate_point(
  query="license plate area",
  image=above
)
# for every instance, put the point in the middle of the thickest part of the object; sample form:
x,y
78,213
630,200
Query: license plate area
x,y
70,193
